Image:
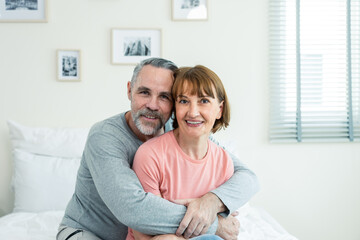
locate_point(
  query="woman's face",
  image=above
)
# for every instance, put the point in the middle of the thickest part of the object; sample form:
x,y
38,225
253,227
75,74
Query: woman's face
x,y
196,115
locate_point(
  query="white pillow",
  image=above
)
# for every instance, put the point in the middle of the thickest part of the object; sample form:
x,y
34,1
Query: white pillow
x,y
46,161
43,183
59,142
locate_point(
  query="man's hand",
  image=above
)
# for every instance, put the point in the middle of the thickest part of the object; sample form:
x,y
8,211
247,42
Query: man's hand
x,y
200,214
228,228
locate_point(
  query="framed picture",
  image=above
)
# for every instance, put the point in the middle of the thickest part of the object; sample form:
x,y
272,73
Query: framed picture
x,y
68,65
130,46
189,10
23,10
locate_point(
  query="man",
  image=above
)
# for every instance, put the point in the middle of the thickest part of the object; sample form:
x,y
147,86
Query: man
x,y
108,196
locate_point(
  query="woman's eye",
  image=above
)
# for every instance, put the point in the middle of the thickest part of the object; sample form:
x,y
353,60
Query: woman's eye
x,y
204,100
182,101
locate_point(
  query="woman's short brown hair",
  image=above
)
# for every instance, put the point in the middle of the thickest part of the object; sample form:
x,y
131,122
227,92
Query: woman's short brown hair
x,y
200,80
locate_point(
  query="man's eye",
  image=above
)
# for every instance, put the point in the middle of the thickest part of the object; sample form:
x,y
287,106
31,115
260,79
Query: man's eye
x,y
144,92
165,97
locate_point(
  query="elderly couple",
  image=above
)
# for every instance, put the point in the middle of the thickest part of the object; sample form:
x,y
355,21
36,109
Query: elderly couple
x,y
140,178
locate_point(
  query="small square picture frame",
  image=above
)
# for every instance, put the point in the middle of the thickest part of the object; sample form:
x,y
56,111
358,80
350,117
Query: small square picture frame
x,y
130,46
189,10
68,65
32,11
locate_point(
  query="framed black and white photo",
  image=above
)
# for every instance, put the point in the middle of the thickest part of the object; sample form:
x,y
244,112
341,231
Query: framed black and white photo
x,y
183,10
68,65
23,10
130,46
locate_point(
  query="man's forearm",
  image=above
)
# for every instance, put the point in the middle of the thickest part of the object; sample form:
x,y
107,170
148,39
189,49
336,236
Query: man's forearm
x,y
215,201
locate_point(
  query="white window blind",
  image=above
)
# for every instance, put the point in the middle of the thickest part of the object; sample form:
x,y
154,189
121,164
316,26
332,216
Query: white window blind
x,y
314,70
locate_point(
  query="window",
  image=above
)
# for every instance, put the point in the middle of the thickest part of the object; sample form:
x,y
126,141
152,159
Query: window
x,y
314,70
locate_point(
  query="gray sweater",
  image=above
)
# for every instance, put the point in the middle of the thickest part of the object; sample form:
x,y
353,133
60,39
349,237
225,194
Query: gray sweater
x,y
109,197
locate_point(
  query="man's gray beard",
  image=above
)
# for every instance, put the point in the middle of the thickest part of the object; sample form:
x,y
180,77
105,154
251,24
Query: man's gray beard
x,y
148,130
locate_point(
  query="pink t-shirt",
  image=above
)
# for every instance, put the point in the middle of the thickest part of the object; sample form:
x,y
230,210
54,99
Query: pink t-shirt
x,y
164,169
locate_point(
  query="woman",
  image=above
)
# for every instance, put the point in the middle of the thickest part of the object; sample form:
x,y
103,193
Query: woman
x,y
184,163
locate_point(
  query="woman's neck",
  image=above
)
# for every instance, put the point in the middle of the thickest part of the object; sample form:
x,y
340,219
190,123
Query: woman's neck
x,y
195,148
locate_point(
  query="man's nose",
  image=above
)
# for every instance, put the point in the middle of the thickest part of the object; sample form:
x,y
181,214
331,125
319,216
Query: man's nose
x,y
153,104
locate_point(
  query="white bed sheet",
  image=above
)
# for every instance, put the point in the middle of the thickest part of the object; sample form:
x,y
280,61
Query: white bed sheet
x,y
30,226
256,224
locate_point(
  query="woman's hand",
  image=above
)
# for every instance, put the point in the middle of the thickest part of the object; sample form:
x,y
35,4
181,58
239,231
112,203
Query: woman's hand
x,y
229,227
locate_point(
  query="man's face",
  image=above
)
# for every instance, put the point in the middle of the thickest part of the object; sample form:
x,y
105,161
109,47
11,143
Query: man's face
x,y
151,101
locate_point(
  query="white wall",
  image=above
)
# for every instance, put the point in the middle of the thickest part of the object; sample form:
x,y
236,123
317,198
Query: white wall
x,y
313,190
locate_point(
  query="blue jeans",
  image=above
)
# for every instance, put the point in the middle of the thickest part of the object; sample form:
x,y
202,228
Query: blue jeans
x,y
207,237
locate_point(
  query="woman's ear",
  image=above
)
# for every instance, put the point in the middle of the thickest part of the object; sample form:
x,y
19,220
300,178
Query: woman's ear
x,y
129,90
221,106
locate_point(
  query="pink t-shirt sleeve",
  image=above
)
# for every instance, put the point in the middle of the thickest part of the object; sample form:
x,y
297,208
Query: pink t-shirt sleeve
x,y
147,168
229,166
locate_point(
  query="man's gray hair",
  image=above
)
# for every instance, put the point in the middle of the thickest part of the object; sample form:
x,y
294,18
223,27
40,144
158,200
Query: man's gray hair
x,y
155,62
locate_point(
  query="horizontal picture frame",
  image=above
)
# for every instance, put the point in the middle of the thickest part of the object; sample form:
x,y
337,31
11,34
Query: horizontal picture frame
x,y
68,65
189,10
23,11
130,46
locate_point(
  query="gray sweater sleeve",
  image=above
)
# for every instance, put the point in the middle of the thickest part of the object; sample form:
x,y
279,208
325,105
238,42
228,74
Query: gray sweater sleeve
x,y
239,189
109,160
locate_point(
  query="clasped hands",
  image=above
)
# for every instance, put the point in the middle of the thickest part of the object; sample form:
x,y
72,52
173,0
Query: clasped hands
x,y
201,213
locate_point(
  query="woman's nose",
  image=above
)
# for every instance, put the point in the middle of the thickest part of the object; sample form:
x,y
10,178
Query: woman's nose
x,y
193,111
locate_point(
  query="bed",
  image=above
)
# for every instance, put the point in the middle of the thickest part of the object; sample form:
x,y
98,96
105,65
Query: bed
x,y
45,165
